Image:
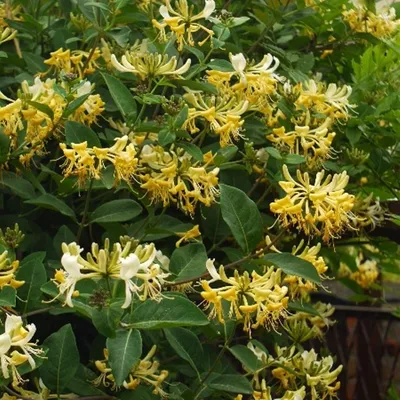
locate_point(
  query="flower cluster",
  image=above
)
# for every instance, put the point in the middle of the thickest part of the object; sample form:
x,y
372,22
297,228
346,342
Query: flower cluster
x,y
171,177
149,65
365,275
8,270
140,269
42,106
256,300
380,25
182,23
73,64
16,347
369,212
322,208
313,144
145,371
88,162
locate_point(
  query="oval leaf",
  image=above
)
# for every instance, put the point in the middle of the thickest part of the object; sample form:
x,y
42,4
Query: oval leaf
x,y
116,211
170,312
186,344
122,96
242,216
293,265
53,203
62,359
188,261
124,352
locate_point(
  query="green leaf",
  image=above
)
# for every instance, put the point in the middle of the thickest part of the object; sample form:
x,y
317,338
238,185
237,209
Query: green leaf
x,y
32,271
74,105
172,311
192,149
242,216
248,359
293,265
4,147
294,159
124,352
106,320
116,211
188,261
229,383
53,203
121,96
8,296
186,344
273,152
18,185
221,65
181,117
166,136
34,62
78,133
44,108
62,359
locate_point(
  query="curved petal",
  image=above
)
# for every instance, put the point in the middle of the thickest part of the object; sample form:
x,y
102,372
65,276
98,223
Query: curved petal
x,y
5,343
129,266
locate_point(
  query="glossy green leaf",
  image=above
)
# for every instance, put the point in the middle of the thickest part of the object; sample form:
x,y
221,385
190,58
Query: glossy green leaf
x,y
124,352
188,261
62,359
53,203
78,133
172,311
116,211
242,216
293,265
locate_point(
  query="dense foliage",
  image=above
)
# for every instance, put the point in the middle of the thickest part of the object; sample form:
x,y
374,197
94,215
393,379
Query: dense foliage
x,y
178,179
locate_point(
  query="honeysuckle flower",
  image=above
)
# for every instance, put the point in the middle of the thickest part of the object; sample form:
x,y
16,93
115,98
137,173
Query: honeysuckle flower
x,y
368,212
322,208
366,274
192,233
8,270
313,144
171,177
145,371
16,347
88,162
333,101
181,21
7,34
381,25
252,297
222,113
72,62
149,65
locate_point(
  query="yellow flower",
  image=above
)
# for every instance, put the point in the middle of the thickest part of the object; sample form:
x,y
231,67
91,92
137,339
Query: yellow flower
x,y
8,270
313,144
16,347
366,274
73,62
221,112
188,235
368,212
7,34
183,23
140,269
255,83
332,101
322,208
11,119
171,178
380,25
146,371
88,162
326,53
252,297
149,65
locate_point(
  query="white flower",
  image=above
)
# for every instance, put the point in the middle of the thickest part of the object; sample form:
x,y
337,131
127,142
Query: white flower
x,y
164,12
129,268
212,271
84,89
208,8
